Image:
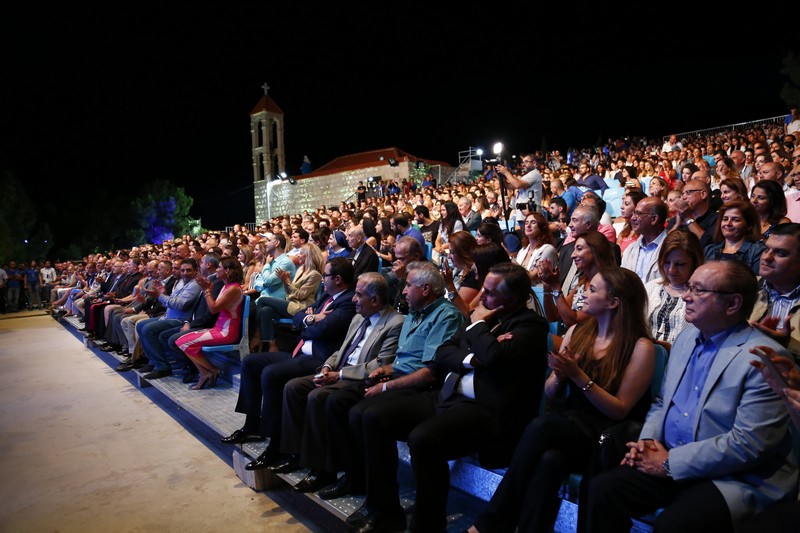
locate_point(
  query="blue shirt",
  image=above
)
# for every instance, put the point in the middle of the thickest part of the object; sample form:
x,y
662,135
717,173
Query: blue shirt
x,y
181,302
679,422
423,333
414,233
269,283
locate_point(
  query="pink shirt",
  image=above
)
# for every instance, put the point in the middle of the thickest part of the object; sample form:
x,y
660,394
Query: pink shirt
x,y
793,205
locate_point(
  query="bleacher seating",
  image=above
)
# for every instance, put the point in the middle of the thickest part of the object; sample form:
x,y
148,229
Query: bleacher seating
x,y
613,199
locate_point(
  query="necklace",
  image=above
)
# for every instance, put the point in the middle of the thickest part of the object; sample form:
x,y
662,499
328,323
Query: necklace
x,y
679,288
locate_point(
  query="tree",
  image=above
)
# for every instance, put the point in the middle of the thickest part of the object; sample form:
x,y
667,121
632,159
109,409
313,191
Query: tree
x,y
159,212
23,236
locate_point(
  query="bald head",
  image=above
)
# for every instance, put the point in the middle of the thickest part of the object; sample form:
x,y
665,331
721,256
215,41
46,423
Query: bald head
x,y
771,171
701,175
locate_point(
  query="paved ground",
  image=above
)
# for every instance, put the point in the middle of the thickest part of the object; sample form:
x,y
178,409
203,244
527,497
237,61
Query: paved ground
x,y
83,450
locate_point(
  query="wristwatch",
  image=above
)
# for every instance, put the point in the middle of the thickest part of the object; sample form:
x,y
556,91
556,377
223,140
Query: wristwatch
x,y
309,320
556,294
665,466
450,295
689,221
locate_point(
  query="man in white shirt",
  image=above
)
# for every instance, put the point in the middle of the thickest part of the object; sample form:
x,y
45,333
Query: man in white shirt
x,y
648,220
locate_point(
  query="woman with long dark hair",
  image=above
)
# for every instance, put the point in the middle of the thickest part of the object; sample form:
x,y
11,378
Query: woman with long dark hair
x,y
450,221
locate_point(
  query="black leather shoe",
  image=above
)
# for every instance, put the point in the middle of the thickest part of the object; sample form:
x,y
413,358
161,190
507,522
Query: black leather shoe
x,y
110,347
143,367
261,462
124,367
380,523
155,374
240,437
342,487
289,464
315,480
191,377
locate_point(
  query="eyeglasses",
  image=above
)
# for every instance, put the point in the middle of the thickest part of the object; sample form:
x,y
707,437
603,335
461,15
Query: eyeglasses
x,y
327,275
687,192
696,291
640,214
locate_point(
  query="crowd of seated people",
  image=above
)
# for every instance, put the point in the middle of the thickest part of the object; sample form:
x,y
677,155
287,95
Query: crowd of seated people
x,y
699,219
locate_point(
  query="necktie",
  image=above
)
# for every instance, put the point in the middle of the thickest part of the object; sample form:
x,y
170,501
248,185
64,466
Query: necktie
x,y
302,342
326,304
298,348
354,343
449,386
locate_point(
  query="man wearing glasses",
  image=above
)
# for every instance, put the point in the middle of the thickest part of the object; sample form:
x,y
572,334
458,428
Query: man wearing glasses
x,y
529,182
693,211
648,221
715,447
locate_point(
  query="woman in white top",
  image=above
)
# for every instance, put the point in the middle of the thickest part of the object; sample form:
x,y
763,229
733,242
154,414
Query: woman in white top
x,y
537,245
678,258
450,222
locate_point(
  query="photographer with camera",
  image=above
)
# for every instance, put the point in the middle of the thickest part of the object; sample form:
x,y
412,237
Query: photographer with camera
x,y
528,187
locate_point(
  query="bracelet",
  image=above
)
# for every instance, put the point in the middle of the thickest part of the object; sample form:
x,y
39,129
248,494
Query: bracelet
x,y
588,386
383,389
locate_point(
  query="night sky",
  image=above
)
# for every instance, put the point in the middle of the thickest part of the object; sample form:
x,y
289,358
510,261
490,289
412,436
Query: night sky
x,y
114,96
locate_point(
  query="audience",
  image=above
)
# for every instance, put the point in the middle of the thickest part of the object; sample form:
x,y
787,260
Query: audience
x,y
107,288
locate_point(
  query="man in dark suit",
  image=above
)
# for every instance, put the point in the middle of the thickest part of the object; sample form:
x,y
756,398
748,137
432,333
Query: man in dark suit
x,y
322,330
312,404
472,219
495,370
363,256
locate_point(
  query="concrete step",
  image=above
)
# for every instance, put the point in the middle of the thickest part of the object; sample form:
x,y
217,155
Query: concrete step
x,y
472,485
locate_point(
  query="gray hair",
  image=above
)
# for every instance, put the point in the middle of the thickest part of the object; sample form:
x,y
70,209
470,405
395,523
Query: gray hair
x,y
426,272
375,285
211,259
589,214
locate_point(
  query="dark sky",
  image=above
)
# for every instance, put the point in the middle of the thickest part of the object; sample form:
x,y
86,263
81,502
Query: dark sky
x,y
114,96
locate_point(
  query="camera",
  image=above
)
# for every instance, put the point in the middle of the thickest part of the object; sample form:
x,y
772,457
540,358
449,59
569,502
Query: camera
x,y
495,161
530,205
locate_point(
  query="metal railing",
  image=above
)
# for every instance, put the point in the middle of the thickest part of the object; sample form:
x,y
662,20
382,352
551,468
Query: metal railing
x,y
730,127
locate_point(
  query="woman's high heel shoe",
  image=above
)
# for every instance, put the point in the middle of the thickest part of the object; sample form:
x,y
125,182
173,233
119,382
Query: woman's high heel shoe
x,y
202,382
214,375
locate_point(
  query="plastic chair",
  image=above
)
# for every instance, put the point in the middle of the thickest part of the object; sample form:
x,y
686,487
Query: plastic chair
x,y
429,251
613,199
243,346
612,183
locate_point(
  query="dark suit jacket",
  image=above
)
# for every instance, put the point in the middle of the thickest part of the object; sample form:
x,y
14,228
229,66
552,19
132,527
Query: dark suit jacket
x,y
367,261
472,221
327,335
379,348
202,317
509,376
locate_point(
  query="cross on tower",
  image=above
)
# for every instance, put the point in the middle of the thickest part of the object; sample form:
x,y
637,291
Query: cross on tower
x,y
265,87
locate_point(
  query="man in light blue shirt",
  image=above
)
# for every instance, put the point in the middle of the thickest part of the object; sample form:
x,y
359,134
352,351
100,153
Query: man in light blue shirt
x,y
179,304
268,283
